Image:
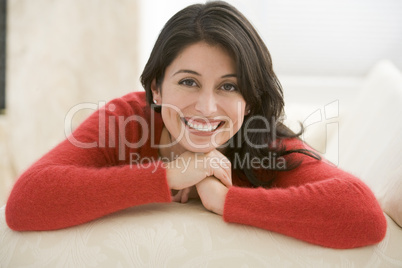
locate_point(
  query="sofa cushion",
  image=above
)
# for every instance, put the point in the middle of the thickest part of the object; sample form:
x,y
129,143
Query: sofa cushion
x,y
369,137
180,235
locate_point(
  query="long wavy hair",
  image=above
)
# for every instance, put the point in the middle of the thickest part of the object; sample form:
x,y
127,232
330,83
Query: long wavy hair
x,y
219,23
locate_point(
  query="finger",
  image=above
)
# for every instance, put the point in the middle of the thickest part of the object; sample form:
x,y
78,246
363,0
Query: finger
x,y
222,176
184,195
220,160
177,197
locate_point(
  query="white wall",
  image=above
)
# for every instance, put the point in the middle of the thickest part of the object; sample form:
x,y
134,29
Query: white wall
x,y
62,53
342,37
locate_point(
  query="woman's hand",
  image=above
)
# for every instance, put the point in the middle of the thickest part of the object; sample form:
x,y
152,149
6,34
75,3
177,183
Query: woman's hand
x,y
182,196
190,168
213,194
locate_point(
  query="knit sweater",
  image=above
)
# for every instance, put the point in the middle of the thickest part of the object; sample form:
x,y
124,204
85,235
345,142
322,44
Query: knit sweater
x,y
110,163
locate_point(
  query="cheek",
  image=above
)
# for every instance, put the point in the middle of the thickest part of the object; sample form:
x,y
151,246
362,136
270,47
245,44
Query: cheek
x,y
170,113
236,111
172,119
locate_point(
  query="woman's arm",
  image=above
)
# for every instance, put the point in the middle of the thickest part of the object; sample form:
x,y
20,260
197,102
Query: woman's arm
x,y
315,202
54,197
71,185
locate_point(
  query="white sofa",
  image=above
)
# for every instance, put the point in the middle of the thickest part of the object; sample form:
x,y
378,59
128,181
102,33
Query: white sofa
x,y
366,142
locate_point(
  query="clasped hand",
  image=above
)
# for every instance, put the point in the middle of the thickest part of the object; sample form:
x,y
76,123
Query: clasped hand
x,y
208,175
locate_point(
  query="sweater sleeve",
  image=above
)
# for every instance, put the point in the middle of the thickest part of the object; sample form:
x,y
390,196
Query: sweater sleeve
x,y
315,202
74,184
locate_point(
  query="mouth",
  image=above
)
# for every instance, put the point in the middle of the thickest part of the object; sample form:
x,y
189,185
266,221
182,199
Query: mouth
x,y
206,126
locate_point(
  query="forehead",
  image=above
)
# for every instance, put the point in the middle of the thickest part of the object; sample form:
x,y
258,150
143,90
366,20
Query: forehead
x,y
202,56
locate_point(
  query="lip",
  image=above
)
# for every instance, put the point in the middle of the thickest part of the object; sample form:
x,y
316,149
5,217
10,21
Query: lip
x,y
203,121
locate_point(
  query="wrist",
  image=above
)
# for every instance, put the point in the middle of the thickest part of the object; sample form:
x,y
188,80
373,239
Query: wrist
x,y
170,177
222,200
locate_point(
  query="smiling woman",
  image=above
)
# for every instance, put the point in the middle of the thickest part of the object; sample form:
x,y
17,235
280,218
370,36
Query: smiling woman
x,y
208,126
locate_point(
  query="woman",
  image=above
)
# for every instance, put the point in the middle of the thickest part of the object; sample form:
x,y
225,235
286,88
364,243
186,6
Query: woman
x,y
207,125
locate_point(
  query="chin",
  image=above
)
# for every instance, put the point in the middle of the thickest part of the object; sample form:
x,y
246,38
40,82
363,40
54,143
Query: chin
x,y
200,150
203,149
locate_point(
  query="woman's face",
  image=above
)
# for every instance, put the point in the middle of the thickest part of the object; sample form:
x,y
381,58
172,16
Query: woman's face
x,y
202,107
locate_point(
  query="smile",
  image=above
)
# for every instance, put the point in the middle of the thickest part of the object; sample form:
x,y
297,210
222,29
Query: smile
x,y
202,125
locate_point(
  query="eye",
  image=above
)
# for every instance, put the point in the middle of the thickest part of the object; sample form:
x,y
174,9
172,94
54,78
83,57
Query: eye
x,y
188,82
229,87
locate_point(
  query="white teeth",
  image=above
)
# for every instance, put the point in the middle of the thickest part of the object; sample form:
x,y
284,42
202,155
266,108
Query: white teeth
x,y
202,127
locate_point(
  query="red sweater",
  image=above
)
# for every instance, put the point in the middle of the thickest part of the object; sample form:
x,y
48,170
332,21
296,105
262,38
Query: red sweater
x,y
315,202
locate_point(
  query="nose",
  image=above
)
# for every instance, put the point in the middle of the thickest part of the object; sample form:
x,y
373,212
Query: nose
x,y
206,103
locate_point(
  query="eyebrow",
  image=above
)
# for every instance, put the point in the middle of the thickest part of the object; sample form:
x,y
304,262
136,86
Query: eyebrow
x,y
195,73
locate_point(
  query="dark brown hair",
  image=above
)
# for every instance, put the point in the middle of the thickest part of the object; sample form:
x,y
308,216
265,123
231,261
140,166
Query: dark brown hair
x,y
218,22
